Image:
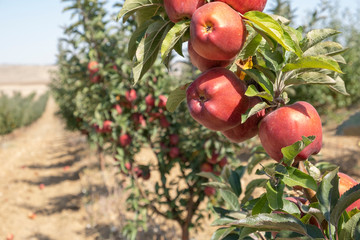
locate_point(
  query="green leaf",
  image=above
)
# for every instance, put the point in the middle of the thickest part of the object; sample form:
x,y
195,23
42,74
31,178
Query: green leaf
x,y
328,193
221,233
299,178
235,183
273,222
253,92
260,78
131,6
176,97
254,110
230,198
209,176
217,185
290,152
148,49
173,37
325,48
339,86
254,160
261,206
272,28
348,198
136,38
250,187
321,62
222,221
273,59
315,36
250,46
310,78
274,195
349,228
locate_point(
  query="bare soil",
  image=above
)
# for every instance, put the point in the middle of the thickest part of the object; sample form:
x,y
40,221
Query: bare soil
x,y
77,200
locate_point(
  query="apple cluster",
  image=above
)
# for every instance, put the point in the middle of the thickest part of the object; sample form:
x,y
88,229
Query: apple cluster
x,y
217,100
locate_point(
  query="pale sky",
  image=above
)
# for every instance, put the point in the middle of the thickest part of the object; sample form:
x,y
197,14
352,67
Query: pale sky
x,y
30,29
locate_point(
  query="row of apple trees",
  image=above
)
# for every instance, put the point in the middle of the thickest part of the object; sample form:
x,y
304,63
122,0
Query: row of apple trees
x,y
96,95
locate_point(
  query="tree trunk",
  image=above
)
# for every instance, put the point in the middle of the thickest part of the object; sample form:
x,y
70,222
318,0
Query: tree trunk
x,y
185,232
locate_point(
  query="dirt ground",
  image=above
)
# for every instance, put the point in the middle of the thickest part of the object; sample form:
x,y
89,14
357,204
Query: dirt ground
x,y
51,187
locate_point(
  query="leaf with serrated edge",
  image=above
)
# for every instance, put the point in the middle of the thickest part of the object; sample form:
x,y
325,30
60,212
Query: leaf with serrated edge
x,y
328,193
322,62
254,110
217,185
325,48
230,198
349,227
261,182
299,178
339,87
310,78
253,92
176,97
250,46
274,195
315,36
209,176
136,37
271,27
173,36
131,6
349,197
290,152
222,233
222,221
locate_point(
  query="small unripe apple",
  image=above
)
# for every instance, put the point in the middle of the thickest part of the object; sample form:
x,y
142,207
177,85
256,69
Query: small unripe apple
x,y
206,167
93,67
174,139
345,183
178,10
286,125
217,32
248,129
125,140
244,6
216,99
174,152
128,166
131,95
204,64
209,191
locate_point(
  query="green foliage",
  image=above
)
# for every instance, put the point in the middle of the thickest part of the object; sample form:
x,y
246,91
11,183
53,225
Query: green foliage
x,y
86,104
18,111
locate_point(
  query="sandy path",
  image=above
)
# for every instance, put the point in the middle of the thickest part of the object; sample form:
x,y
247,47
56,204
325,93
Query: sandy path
x,y
37,155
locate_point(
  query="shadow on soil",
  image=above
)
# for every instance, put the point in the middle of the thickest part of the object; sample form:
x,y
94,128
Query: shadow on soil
x,y
39,236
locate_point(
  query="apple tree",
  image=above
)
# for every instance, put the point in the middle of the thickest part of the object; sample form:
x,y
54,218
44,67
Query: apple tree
x,y
249,62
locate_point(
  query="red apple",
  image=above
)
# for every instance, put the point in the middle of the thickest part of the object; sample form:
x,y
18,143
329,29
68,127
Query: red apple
x,y
204,64
249,128
217,32
66,168
209,191
174,152
128,166
146,175
106,127
162,101
214,158
223,162
286,125
41,186
118,109
94,78
174,139
138,172
345,183
150,101
178,10
244,6
164,122
131,95
138,119
93,67
216,99
125,140
10,236
206,167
